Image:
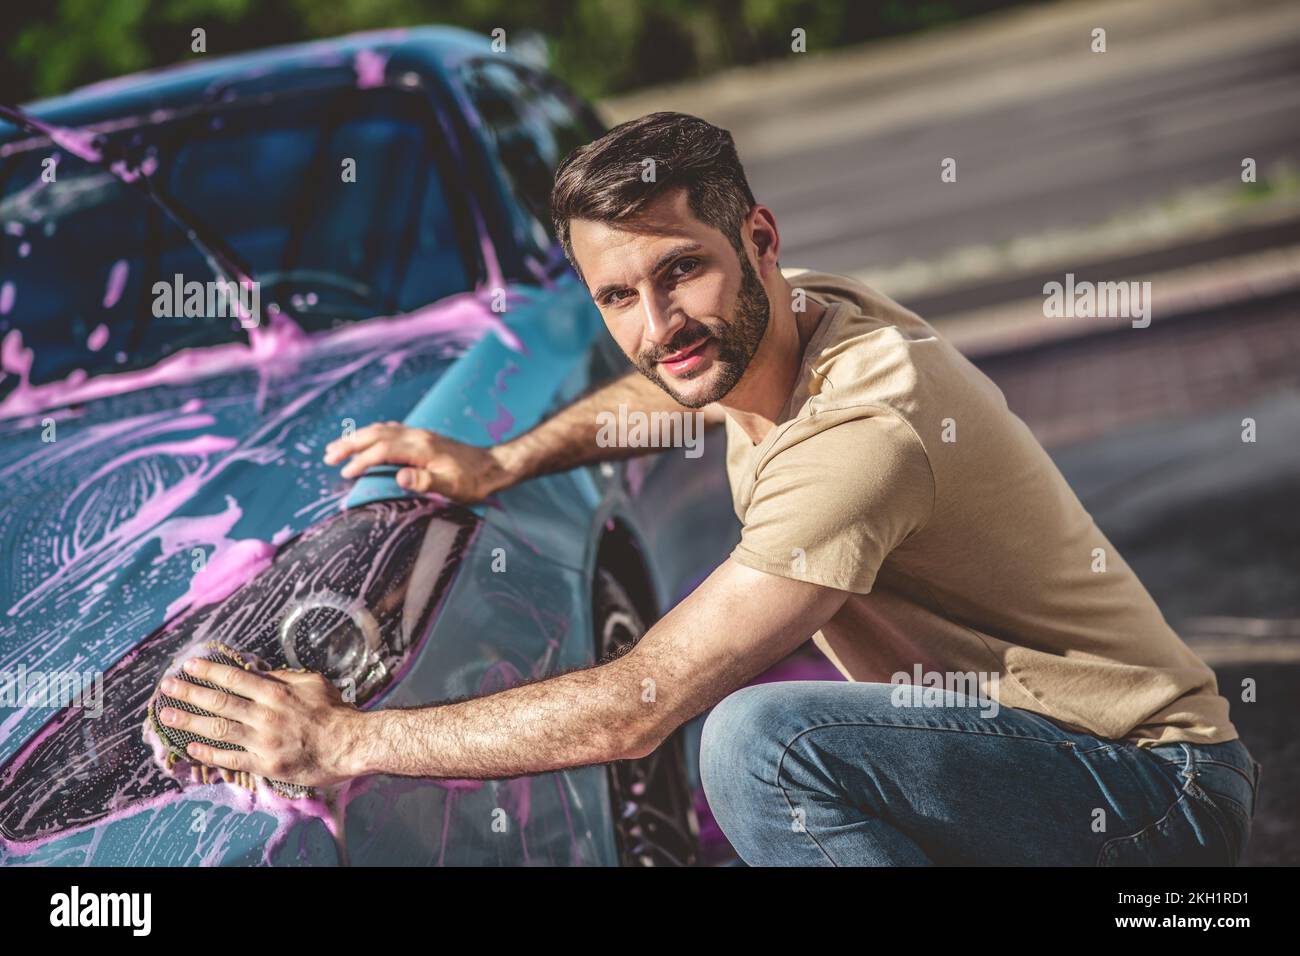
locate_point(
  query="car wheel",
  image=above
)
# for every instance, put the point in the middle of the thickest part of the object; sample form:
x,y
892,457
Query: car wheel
x,y
654,817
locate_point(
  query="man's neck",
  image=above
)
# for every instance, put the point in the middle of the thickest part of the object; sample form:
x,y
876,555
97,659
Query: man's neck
x,y
757,400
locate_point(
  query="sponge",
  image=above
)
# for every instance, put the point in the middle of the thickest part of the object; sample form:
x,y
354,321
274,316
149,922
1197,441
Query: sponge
x,y
174,739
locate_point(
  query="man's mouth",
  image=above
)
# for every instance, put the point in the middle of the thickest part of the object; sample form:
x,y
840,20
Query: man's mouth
x,y
684,360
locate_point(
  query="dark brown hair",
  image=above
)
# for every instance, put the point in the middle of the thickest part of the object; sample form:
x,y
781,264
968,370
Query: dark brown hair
x,y
602,181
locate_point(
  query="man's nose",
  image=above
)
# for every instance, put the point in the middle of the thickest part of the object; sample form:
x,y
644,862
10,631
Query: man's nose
x,y
661,320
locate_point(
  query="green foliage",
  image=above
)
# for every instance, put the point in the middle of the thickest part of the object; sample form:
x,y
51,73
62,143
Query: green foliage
x,y
599,46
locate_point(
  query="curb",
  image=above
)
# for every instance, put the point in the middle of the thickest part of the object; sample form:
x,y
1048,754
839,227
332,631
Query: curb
x,y
1020,324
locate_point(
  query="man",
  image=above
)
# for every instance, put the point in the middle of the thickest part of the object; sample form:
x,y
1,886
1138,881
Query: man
x,y
893,509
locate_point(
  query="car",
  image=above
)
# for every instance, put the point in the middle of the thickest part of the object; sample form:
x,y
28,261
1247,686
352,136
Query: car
x,y
387,195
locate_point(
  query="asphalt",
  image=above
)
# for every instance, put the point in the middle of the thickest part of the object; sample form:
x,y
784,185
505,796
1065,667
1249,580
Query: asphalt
x,y
1145,423
1210,523
1028,166
846,146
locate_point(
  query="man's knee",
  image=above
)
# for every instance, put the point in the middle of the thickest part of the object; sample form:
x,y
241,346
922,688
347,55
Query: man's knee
x,y
736,742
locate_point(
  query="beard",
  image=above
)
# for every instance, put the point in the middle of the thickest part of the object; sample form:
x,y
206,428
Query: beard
x,y
738,340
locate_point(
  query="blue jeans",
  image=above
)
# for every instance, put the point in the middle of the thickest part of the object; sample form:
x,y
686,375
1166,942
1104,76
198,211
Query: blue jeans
x,y
831,773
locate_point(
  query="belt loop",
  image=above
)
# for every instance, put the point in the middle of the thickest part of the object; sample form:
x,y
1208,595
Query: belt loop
x,y
1190,769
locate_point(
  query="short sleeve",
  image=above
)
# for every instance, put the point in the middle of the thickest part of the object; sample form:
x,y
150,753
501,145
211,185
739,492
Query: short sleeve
x,y
835,494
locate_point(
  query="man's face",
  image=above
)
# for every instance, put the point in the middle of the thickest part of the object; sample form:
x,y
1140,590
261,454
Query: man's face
x,y
687,311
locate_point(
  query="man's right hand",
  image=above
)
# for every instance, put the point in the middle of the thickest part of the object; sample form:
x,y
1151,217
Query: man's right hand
x,y
435,463
469,474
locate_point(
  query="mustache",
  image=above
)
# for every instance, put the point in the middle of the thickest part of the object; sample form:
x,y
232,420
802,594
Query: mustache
x,y
684,339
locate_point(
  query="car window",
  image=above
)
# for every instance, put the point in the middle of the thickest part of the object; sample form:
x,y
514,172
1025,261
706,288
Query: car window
x,y
80,255
532,123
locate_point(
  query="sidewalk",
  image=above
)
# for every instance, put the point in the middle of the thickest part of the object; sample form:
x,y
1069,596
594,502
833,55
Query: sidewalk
x,y
1232,281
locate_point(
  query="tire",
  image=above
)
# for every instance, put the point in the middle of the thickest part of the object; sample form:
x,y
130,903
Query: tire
x,y
650,798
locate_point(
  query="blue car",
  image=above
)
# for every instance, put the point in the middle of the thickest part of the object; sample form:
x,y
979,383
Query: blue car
x,y
161,459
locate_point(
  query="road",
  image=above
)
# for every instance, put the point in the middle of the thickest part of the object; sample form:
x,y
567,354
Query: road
x,y
1147,428
1145,423
1117,136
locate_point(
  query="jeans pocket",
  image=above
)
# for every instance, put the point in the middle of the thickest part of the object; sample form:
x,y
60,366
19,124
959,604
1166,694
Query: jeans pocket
x,y
1238,830
1195,830
1230,796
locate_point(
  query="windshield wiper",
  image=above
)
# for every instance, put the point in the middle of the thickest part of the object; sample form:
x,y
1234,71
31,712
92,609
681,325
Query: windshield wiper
x,y
219,256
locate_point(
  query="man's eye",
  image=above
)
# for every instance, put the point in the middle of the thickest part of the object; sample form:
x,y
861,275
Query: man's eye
x,y
680,263
614,297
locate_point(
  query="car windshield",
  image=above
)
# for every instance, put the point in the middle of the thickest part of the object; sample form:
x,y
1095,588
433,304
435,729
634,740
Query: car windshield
x,y
333,201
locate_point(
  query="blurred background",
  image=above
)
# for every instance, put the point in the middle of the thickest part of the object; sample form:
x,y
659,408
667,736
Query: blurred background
x,y
1170,156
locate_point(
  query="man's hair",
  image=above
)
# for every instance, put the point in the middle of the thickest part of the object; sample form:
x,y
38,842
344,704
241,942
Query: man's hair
x,y
603,181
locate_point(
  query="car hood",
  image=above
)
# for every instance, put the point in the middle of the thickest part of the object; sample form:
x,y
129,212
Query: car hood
x,y
113,494
159,491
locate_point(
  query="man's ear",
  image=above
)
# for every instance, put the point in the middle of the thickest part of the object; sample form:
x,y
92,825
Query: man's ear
x,y
765,237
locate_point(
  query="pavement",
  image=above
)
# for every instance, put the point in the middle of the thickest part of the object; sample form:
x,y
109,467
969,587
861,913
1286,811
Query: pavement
x,y
846,145
1080,388
1116,167
1146,425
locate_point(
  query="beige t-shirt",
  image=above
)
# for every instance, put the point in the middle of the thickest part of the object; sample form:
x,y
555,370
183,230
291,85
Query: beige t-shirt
x,y
897,472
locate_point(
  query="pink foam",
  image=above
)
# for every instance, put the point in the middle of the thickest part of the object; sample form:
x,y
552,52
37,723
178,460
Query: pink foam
x,y
274,349
116,284
228,570
370,66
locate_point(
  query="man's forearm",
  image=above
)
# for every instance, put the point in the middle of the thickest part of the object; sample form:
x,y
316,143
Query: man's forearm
x,y
734,626
587,716
568,438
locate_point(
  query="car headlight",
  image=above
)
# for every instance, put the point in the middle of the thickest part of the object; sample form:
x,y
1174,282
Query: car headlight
x,y
348,597
352,597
